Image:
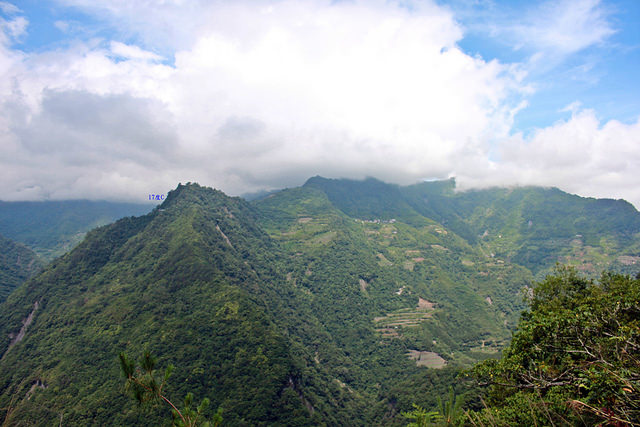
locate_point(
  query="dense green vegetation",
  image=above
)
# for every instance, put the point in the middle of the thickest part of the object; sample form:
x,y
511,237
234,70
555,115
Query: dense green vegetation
x,y
530,226
376,268
197,282
147,387
573,359
328,304
537,227
17,264
52,228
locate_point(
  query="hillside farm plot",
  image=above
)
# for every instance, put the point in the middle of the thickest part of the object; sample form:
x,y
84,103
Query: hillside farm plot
x,y
391,324
427,358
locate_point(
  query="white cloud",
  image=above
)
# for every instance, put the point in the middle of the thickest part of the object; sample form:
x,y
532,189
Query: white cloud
x,y
62,25
269,94
265,97
8,8
581,155
11,28
567,26
133,52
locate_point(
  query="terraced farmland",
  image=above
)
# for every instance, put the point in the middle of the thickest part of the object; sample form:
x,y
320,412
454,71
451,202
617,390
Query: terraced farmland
x,y
392,323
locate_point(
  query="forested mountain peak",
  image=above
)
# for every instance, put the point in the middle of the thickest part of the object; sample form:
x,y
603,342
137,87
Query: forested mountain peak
x,y
197,282
322,304
532,226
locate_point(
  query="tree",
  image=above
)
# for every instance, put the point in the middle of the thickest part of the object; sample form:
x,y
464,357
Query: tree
x,y
448,414
574,357
145,387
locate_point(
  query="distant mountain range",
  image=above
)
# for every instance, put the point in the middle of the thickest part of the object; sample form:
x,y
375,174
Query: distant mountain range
x,y
339,302
52,228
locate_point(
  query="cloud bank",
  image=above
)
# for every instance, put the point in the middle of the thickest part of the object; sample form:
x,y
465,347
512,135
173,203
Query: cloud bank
x,y
248,95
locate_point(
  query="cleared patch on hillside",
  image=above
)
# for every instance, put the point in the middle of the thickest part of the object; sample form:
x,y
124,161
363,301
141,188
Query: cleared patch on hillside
x,y
426,304
427,358
383,261
324,238
226,239
392,324
628,260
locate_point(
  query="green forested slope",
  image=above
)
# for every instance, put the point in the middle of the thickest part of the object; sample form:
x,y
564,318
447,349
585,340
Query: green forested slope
x,y
366,278
572,360
17,264
537,227
324,304
196,282
52,228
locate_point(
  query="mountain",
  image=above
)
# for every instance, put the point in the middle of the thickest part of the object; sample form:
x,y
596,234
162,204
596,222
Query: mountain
x,y
17,264
531,226
537,227
422,283
52,228
198,283
429,273
336,303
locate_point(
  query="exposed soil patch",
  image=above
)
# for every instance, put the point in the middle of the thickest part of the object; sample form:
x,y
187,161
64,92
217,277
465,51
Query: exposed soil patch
x,y
228,212
438,230
34,386
423,303
224,236
628,260
304,220
388,333
363,285
23,330
427,358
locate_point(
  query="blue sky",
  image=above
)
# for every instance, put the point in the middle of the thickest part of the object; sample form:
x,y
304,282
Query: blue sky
x,y
602,76
124,99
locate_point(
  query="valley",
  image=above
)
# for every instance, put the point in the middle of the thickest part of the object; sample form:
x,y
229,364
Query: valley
x,y
335,303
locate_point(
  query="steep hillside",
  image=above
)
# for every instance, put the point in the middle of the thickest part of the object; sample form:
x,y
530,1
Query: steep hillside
x,y
431,275
52,228
339,302
197,283
398,297
537,227
17,264
368,199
